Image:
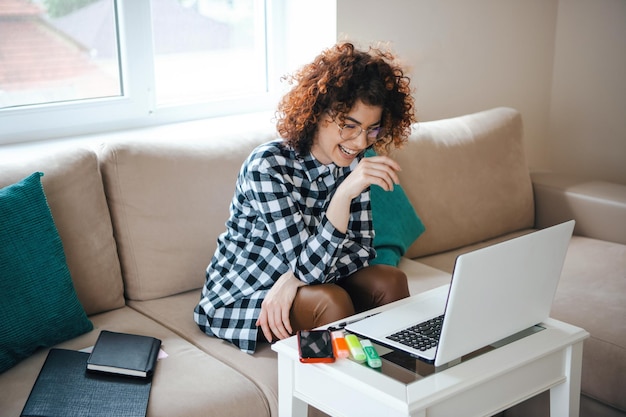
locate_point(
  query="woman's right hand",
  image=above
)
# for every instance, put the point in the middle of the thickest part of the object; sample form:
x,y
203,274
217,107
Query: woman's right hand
x,y
377,170
274,317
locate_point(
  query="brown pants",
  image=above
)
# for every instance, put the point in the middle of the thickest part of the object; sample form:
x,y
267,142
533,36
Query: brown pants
x,y
373,286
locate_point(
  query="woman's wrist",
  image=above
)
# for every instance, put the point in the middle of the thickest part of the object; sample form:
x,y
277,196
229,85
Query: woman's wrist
x,y
289,279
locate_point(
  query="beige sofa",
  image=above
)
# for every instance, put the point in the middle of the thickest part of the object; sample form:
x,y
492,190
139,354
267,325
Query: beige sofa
x,y
139,219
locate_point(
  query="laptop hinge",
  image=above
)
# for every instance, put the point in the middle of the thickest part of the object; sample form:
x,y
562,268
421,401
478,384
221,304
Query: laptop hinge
x,y
448,365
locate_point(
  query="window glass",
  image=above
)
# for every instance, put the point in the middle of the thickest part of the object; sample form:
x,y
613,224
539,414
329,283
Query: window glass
x,y
57,50
208,49
76,67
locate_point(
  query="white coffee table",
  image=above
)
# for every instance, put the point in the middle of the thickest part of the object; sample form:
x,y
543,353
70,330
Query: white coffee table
x,y
482,386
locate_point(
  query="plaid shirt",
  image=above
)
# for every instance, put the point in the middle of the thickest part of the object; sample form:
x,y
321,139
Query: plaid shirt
x,y
278,223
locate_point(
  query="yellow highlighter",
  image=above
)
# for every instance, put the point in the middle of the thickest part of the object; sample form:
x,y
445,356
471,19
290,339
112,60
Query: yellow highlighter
x,y
356,350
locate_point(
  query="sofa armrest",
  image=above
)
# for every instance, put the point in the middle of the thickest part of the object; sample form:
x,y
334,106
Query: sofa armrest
x,y
599,207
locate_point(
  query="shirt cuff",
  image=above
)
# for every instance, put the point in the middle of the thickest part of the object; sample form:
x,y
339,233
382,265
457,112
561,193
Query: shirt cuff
x,y
330,233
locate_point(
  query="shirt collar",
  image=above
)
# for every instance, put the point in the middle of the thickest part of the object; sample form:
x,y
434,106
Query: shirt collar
x,y
315,169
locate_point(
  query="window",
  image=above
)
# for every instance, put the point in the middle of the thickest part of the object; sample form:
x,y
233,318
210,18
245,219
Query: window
x,y
71,67
59,55
219,45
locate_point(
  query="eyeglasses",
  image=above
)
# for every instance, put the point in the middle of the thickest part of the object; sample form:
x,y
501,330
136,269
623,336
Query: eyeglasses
x,y
349,131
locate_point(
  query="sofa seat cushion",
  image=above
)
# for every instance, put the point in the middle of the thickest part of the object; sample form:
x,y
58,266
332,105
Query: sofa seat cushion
x,y
169,201
176,313
38,303
75,194
591,295
188,383
422,277
467,179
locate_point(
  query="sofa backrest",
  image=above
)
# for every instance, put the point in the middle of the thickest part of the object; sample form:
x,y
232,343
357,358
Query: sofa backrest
x,y
169,202
467,179
73,187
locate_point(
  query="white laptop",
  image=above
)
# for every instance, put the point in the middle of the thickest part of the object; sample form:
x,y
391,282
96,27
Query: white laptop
x,y
495,292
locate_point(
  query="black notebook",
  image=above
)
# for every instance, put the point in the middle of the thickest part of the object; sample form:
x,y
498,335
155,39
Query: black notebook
x,y
124,353
64,388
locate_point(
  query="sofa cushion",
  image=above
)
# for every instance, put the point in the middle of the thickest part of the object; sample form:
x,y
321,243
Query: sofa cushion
x,y
396,225
169,201
74,191
187,383
467,178
445,261
591,295
173,312
38,303
422,277
599,207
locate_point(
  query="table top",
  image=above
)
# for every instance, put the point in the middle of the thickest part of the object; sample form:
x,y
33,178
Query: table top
x,y
421,381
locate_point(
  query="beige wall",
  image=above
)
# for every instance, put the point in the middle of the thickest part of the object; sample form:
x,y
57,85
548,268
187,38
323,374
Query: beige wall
x,y
588,108
470,56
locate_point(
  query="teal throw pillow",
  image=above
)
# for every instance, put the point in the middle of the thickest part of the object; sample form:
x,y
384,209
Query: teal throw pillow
x,y
396,224
38,303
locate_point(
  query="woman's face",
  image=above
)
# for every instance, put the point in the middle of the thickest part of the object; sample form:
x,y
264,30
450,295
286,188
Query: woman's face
x,y
328,144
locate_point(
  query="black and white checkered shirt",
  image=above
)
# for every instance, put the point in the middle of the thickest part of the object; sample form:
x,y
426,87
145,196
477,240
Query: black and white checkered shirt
x,y
278,223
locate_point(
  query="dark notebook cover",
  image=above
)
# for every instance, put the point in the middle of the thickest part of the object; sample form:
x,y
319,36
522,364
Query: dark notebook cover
x,y
124,353
64,388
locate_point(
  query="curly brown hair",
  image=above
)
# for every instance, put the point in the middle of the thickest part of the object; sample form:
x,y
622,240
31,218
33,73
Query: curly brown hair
x,y
333,82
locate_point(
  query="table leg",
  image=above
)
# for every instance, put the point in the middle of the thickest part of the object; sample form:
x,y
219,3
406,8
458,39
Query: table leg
x,y
288,405
565,397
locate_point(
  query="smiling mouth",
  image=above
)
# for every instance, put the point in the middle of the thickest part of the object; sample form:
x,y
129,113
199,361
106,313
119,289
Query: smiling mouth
x,y
347,151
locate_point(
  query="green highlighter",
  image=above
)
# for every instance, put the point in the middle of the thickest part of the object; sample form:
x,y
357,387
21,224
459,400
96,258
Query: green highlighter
x,y
373,360
356,350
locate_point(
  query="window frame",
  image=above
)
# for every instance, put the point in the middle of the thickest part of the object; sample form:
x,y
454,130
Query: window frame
x,y
136,107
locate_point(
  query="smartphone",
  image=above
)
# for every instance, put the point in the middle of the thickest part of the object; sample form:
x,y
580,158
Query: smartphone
x,y
315,346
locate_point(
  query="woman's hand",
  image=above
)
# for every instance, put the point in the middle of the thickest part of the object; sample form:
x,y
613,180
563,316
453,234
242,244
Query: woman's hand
x,y
274,317
377,170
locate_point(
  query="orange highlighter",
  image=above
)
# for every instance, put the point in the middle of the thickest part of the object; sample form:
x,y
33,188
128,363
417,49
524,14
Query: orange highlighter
x,y
340,346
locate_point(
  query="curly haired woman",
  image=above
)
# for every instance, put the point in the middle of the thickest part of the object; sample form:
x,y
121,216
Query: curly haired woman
x,y
298,243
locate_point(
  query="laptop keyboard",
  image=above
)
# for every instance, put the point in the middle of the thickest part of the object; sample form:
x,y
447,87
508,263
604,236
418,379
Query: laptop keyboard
x,y
422,336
